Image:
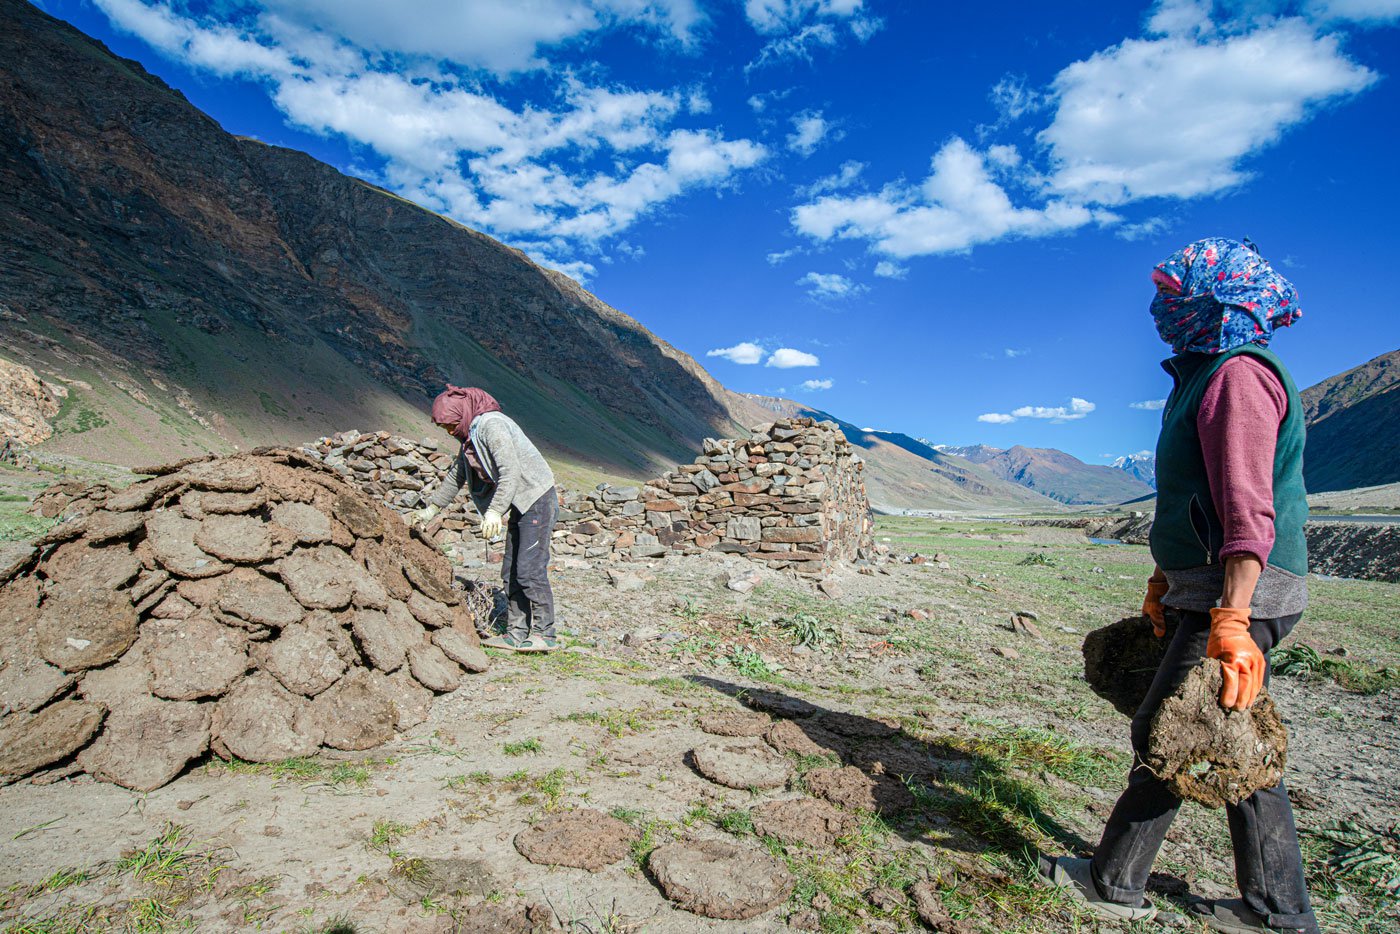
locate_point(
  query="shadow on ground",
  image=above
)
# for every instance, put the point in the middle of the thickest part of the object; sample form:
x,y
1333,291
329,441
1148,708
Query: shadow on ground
x,y
936,790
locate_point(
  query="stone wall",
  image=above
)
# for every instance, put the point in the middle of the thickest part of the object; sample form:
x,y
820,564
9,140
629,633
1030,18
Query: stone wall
x,y
791,496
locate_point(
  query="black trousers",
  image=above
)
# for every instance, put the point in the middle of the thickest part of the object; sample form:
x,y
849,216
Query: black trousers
x,y
525,569
1268,863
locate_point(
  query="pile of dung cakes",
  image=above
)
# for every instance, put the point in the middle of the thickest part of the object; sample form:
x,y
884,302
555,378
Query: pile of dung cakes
x,y
255,605
792,496
400,473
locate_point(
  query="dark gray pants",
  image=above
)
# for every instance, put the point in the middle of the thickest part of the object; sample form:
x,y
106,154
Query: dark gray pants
x,y
1268,863
525,569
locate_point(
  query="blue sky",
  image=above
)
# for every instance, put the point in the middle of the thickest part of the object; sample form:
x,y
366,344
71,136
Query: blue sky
x,y
931,218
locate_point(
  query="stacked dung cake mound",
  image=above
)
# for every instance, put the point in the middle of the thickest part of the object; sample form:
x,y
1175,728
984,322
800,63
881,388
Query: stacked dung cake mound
x,y
255,604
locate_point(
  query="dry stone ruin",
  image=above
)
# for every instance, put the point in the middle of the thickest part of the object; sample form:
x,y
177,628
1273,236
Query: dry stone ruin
x,y
255,605
791,496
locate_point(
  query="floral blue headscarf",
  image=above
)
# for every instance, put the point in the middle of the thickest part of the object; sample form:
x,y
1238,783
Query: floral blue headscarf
x,y
1218,294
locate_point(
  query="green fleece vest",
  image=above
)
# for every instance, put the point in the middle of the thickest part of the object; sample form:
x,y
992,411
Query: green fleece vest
x,y
1187,531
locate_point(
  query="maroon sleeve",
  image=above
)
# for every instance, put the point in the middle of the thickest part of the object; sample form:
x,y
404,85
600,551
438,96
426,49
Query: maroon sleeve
x,y
1238,422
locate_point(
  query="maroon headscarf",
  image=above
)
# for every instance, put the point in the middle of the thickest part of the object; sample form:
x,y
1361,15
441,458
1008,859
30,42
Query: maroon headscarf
x,y
461,405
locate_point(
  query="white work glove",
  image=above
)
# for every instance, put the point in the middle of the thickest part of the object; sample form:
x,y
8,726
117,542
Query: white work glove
x,y
490,525
423,516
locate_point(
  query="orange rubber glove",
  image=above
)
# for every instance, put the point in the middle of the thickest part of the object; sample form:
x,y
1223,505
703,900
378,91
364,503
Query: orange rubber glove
x,y
1152,606
1241,662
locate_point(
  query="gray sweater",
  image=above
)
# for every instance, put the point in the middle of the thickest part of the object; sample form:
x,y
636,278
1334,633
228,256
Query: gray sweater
x,y
520,473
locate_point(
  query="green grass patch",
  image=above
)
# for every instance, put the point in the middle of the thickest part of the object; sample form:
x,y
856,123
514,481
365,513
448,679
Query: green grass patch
x,y
809,630
62,879
269,405
16,525
748,663
654,832
1032,749
477,779
168,860
79,419
618,722
738,822
1303,661
551,785
384,834
532,746
303,770
1356,859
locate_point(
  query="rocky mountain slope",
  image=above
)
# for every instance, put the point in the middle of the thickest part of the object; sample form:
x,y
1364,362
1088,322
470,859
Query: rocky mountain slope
x,y
27,403
198,291
1353,424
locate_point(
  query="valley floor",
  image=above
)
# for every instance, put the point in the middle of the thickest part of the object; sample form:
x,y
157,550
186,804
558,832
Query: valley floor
x,y
912,671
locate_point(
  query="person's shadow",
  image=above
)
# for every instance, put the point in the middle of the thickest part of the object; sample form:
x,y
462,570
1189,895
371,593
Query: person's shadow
x,y
932,790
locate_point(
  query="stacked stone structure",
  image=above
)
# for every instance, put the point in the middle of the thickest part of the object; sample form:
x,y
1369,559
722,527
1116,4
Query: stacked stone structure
x,y
791,496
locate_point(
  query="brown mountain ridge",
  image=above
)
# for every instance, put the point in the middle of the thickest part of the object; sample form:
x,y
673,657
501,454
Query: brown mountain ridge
x,y
1354,427
198,290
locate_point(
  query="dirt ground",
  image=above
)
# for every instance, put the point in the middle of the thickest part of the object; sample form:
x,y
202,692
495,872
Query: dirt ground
x,y
910,689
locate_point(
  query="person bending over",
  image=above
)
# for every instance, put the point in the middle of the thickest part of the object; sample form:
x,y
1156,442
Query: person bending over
x,y
512,487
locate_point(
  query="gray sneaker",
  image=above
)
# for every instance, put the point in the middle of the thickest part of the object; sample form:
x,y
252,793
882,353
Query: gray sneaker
x,y
538,643
1076,877
504,641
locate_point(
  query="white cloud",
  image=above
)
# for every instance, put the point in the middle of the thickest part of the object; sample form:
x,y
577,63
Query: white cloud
x,y
554,178
785,358
798,45
1377,11
1013,98
744,352
777,16
810,128
957,206
800,26
1181,18
1242,91
1149,405
1174,115
698,102
1142,230
1055,414
830,285
502,36
782,256
1012,353
844,177
813,385
888,270
759,103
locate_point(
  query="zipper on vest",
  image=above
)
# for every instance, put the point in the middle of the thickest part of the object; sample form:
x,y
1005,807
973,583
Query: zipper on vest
x,y
1192,508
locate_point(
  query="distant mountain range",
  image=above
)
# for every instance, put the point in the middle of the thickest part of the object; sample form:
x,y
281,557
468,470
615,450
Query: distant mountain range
x,y
1057,475
1354,427
1142,465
